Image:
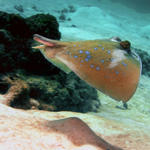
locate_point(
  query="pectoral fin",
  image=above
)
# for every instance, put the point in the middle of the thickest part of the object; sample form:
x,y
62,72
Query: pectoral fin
x,y
60,65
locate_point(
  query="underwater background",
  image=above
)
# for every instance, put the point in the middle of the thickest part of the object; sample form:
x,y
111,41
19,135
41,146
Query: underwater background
x,y
72,20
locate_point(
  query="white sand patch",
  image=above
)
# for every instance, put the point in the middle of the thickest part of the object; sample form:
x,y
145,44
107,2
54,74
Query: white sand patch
x,y
99,19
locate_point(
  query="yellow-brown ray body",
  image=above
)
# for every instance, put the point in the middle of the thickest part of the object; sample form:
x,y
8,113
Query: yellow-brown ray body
x,y
101,63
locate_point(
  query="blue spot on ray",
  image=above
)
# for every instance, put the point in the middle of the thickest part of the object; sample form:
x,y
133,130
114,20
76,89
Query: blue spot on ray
x,y
102,48
95,48
97,68
87,52
100,45
80,51
117,72
108,51
92,66
82,61
102,61
124,64
74,45
112,59
75,56
86,59
89,56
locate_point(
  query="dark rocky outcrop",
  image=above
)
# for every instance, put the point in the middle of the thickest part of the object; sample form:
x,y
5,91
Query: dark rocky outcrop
x,y
24,71
145,58
45,25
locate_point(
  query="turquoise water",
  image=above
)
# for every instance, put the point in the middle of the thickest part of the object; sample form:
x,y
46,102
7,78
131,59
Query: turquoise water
x,y
93,18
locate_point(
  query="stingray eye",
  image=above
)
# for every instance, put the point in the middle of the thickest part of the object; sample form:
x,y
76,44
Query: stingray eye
x,y
125,45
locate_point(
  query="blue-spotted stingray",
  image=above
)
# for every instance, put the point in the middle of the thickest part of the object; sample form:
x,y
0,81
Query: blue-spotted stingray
x,y
108,65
